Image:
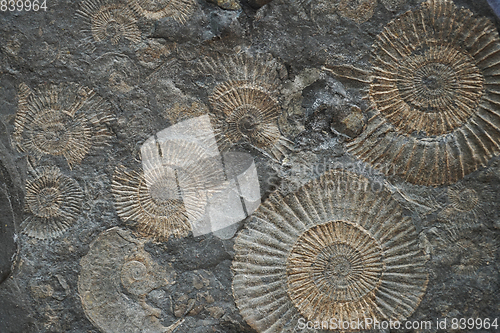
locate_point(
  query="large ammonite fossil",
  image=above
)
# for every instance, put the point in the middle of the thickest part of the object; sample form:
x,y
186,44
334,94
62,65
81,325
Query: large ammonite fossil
x,y
116,276
244,106
435,91
53,203
333,250
65,120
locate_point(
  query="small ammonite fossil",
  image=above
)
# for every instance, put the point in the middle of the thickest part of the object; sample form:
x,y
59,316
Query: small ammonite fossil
x,y
116,276
434,91
108,21
64,120
466,250
179,10
53,203
334,249
357,10
244,106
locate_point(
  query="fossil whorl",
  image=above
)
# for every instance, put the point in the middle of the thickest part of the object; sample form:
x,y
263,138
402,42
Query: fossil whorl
x,y
435,90
64,120
157,198
108,20
245,106
179,10
53,203
333,249
116,275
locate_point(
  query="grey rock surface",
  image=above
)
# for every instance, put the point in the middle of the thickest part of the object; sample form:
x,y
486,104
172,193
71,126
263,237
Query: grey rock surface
x,y
151,75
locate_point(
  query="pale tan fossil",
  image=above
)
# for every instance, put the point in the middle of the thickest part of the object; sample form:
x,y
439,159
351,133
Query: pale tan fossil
x,y
179,10
333,249
61,120
116,276
108,21
434,91
53,203
157,197
244,105
357,10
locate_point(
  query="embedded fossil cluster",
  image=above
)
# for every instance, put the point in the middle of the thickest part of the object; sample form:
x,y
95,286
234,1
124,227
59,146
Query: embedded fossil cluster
x,y
125,176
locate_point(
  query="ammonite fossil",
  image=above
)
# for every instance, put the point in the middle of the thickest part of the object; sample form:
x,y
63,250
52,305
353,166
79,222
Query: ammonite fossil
x,y
244,105
115,277
357,10
108,21
170,193
53,203
335,249
434,90
64,120
179,10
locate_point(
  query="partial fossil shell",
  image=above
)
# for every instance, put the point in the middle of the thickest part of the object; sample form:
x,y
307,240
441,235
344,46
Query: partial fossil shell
x,y
116,71
244,106
357,10
152,54
392,4
335,249
53,202
108,20
156,199
65,120
434,86
116,275
466,250
179,10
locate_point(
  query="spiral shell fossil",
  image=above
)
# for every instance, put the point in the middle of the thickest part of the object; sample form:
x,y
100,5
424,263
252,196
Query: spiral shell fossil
x,y
53,202
108,20
158,198
65,120
116,275
179,10
245,108
333,249
434,89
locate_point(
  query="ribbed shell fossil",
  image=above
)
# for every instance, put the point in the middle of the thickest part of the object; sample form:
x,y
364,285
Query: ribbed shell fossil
x,y
157,198
466,250
333,249
115,277
245,108
65,120
357,10
179,10
435,90
53,202
108,20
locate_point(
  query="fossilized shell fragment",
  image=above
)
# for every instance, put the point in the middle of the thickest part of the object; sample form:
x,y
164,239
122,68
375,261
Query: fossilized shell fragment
x,y
65,120
333,249
357,10
152,54
179,10
108,20
116,275
53,203
116,71
245,108
435,89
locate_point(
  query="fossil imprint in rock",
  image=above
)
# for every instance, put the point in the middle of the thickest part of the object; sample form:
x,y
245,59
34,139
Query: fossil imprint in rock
x,y
179,10
108,20
435,93
333,249
116,276
64,120
53,203
245,106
